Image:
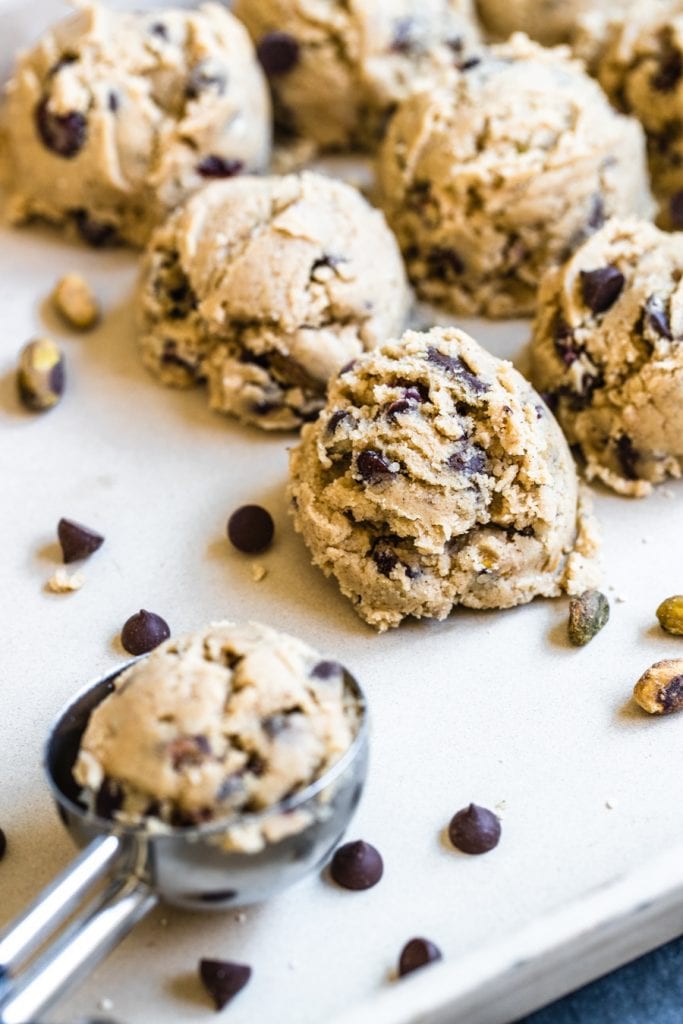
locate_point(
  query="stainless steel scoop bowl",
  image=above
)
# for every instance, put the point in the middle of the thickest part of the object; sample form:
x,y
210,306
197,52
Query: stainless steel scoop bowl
x,y
124,871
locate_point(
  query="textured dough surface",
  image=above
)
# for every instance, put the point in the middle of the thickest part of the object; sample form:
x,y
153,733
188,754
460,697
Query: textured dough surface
x,y
266,287
435,477
596,27
356,60
501,172
548,21
114,118
641,70
615,378
228,719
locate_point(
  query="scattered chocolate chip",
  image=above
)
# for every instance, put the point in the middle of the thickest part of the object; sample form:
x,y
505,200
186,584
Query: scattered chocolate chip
x,y
628,457
474,830
251,529
373,466
218,167
444,263
3,844
670,69
109,799
468,459
327,670
202,78
188,751
97,233
455,366
223,979
356,866
676,211
278,53
658,318
77,541
63,134
417,953
601,288
143,632
588,613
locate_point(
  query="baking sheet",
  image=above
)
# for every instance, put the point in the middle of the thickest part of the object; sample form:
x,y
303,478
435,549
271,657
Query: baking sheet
x,y
491,707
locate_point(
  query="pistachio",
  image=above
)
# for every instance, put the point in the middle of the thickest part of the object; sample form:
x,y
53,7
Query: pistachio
x,y
670,615
40,375
75,301
587,615
659,691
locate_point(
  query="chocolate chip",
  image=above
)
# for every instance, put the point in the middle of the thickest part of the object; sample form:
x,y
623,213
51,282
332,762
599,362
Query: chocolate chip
x,y
188,751
109,799
143,632
384,558
158,28
469,63
658,318
223,979
202,78
327,670
340,416
564,342
251,529
404,38
628,457
278,53
95,232
77,541
670,69
218,167
468,459
474,830
356,866
444,263
63,134
113,102
3,844
601,288
455,366
412,397
417,953
676,211
373,466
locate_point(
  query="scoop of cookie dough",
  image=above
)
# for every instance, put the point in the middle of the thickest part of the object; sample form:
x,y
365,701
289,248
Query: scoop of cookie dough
x,y
266,287
114,118
228,719
337,70
501,172
436,477
641,70
607,350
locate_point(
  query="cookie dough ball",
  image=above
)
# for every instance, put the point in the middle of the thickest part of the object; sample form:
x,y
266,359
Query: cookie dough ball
x,y
113,119
642,72
228,719
437,477
607,352
337,70
265,288
501,172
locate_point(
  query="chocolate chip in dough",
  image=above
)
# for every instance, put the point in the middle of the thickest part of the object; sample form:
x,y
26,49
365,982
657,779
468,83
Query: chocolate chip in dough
x,y
278,53
601,288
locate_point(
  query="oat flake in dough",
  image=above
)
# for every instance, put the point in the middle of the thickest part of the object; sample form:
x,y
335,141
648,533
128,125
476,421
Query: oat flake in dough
x,y
228,719
265,288
501,172
114,118
615,376
435,477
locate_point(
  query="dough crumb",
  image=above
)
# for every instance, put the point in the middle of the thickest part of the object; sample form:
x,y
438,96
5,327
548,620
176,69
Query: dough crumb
x,y
75,301
258,572
63,583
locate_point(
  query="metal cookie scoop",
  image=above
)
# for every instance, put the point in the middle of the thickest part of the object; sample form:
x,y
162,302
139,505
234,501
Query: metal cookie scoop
x,y
133,867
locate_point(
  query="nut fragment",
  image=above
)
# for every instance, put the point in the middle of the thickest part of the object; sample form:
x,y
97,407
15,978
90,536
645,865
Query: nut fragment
x,y
40,375
63,583
670,615
75,302
659,691
587,615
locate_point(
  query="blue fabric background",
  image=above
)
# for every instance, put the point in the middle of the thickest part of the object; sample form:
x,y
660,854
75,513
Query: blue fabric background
x,y
648,991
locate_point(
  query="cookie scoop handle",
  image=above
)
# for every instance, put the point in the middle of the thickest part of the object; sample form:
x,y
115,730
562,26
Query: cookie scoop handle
x,y
100,926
